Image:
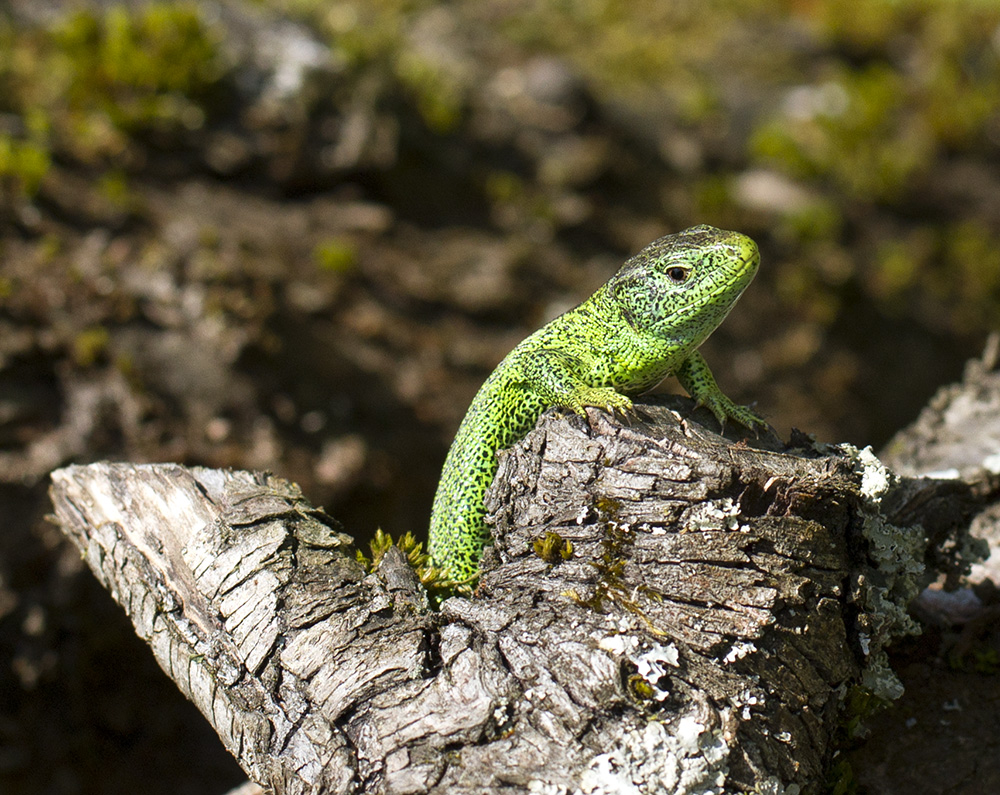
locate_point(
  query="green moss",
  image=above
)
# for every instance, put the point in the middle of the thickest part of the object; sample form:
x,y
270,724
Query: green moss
x,y
870,127
896,268
86,84
517,200
635,50
23,165
857,135
610,566
378,38
607,508
954,268
980,657
553,548
145,69
113,187
335,254
819,220
439,95
951,81
640,689
89,345
971,276
48,248
986,660
840,778
859,705
712,197
438,587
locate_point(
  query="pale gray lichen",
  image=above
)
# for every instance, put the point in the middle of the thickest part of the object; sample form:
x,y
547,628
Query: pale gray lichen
x,y
745,702
884,589
738,651
773,786
687,759
653,665
722,514
618,644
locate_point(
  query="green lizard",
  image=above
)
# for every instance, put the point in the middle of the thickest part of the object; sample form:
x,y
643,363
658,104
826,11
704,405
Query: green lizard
x,y
644,324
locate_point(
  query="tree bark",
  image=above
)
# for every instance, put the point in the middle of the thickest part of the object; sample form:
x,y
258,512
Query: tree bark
x,y
663,610
957,438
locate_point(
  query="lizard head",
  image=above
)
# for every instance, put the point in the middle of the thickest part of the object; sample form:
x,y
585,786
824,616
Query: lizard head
x,y
682,286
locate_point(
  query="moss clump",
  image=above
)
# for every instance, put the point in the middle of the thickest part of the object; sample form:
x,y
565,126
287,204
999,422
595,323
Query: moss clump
x,y
610,566
150,69
90,84
431,577
89,345
380,38
852,131
913,81
553,548
23,166
336,255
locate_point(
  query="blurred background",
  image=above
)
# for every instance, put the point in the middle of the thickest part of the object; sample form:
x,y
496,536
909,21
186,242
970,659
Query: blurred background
x,y
297,235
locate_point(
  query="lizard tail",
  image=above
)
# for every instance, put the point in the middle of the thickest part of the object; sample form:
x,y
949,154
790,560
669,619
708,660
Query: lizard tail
x,y
458,529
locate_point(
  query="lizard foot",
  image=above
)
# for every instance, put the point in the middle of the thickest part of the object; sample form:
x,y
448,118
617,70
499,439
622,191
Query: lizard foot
x,y
602,397
723,408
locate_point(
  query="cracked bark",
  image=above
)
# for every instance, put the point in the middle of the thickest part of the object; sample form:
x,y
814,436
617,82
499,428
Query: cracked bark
x,y
691,623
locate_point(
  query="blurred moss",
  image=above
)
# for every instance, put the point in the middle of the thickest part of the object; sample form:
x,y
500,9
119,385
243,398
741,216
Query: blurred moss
x,y
23,165
862,104
505,187
800,283
89,345
113,187
516,201
853,131
381,36
640,48
919,80
953,268
337,255
439,98
815,220
49,246
712,196
896,268
85,84
970,278
141,69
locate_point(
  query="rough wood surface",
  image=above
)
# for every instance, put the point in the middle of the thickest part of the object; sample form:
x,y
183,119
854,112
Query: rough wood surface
x,y
957,438
958,433
663,611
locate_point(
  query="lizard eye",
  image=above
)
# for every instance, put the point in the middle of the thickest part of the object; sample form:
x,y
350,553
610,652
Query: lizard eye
x,y
678,275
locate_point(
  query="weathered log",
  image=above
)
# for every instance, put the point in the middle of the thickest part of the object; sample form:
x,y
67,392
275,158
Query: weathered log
x,y
957,437
662,611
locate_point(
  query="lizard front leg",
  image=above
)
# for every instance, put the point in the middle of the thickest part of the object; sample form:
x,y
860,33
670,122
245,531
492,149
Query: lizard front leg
x,y
697,379
566,381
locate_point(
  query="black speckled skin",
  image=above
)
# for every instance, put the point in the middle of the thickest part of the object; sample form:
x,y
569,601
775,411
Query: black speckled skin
x,y
646,323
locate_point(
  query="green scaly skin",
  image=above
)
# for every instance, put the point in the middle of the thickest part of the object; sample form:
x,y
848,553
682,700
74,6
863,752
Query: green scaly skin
x,y
646,323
